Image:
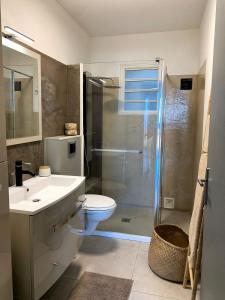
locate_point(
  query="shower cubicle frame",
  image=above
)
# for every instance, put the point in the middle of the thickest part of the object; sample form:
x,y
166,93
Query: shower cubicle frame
x,y
159,145
158,179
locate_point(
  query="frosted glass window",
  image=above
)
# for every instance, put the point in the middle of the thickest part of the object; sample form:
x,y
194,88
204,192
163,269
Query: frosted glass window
x,y
136,106
141,95
141,73
134,85
141,87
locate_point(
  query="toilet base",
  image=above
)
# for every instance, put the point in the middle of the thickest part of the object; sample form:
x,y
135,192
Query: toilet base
x,y
91,219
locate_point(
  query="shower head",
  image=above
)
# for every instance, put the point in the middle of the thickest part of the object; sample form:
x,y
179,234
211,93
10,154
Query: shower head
x,y
95,82
112,86
102,82
108,86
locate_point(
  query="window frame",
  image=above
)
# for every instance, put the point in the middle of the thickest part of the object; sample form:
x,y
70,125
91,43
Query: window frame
x,y
122,83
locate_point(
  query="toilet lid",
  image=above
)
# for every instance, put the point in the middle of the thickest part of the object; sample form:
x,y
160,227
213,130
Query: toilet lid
x,y
98,202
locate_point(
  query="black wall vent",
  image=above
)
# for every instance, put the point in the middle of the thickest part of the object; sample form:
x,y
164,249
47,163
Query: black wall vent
x,y
186,84
17,86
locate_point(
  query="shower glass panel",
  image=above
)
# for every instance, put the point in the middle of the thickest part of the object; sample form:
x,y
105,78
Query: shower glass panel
x,y
18,89
122,102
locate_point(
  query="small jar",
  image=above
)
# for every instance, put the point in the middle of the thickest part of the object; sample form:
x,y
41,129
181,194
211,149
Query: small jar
x,y
71,132
44,171
70,126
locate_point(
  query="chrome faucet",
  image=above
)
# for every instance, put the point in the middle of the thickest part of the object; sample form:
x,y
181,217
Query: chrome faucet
x,y
19,172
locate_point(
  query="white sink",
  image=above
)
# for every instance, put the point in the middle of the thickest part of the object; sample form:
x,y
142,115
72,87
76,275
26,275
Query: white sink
x,y
38,193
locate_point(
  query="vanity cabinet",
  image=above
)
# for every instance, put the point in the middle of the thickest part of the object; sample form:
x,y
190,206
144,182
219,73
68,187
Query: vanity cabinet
x,y
44,245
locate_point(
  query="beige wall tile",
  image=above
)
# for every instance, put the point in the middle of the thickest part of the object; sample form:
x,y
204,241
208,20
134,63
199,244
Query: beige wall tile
x,y
179,142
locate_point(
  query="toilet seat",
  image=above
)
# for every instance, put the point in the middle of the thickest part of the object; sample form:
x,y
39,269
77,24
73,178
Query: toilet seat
x,y
98,202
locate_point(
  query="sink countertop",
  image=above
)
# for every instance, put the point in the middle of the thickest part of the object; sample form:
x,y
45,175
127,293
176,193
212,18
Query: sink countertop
x,y
39,193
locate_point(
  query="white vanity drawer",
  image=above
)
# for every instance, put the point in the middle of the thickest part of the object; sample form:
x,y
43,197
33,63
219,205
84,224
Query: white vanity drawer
x,y
54,243
50,266
45,225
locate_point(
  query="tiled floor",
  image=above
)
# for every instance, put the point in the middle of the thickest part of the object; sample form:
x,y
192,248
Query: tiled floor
x,y
142,220
120,258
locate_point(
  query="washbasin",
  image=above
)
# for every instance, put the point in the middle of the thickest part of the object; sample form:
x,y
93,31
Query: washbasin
x,y
39,193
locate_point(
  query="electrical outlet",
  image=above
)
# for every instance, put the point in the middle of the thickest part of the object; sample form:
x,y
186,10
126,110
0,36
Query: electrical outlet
x,y
169,203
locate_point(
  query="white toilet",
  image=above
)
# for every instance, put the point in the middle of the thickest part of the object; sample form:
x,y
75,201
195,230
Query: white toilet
x,y
63,154
95,209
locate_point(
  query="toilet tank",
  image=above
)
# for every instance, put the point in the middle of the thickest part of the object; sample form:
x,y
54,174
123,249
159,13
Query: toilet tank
x,y
63,154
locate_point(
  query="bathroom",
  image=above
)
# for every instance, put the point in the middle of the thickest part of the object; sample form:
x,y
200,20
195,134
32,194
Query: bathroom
x,y
103,126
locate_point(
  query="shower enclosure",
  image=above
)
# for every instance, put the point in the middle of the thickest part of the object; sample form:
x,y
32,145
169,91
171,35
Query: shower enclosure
x,y
123,125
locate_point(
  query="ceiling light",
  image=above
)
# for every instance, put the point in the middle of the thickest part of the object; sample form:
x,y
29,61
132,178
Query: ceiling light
x,y
16,34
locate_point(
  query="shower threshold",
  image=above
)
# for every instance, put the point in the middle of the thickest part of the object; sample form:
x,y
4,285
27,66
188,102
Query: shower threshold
x,y
122,236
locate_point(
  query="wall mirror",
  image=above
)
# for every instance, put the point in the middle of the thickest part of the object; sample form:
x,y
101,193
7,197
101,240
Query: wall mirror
x,y
22,93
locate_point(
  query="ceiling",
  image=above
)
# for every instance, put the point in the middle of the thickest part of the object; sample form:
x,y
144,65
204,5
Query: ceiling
x,y
115,17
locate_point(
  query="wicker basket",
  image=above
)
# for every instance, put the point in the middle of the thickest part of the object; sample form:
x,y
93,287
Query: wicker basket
x,y
168,252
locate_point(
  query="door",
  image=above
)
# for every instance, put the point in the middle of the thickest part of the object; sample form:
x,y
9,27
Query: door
x,y
213,262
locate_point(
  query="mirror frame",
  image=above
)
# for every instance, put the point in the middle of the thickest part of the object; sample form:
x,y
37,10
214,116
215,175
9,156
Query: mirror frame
x,y
19,48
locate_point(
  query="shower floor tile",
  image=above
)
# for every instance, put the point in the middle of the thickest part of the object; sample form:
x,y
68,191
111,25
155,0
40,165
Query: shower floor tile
x,y
179,218
130,220
140,220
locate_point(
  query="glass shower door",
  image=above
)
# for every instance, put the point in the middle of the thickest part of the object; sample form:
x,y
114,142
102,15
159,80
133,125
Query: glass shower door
x,y
121,102
18,92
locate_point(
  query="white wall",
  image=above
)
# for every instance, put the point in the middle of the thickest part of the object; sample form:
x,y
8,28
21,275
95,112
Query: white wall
x,y
207,32
180,49
53,29
59,36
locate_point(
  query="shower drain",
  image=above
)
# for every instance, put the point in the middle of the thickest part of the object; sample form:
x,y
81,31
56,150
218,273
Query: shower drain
x,y
125,220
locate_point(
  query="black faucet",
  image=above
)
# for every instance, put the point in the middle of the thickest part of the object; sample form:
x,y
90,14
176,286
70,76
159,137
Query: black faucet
x,y
19,172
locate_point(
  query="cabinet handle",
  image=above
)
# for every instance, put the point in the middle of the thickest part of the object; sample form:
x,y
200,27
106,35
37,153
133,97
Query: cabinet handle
x,y
82,199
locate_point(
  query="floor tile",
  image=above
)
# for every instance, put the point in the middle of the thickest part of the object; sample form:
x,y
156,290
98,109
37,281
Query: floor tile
x,y
141,220
145,281
120,264
100,245
144,246
105,256
140,296
119,258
